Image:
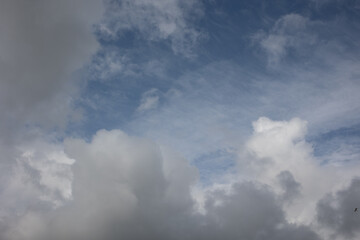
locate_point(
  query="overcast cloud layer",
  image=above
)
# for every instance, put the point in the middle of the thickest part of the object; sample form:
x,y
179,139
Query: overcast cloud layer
x,y
171,119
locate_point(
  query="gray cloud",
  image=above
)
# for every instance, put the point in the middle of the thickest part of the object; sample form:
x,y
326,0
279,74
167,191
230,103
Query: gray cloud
x,y
123,187
291,188
129,187
251,212
41,45
336,211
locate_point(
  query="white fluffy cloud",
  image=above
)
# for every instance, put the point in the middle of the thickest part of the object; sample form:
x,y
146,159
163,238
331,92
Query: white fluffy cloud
x,y
123,187
278,155
36,178
131,187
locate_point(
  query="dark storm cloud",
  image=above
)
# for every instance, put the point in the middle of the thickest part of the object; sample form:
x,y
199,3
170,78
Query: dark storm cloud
x,y
336,211
41,44
251,212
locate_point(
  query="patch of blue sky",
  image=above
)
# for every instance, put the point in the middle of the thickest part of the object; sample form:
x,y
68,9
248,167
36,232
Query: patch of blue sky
x,y
338,146
255,58
214,165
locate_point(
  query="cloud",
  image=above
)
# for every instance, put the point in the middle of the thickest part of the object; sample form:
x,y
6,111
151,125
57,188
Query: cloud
x,y
281,143
42,44
131,187
304,40
315,80
291,188
154,21
52,166
36,178
251,211
114,185
336,211
123,187
278,155
149,100
290,32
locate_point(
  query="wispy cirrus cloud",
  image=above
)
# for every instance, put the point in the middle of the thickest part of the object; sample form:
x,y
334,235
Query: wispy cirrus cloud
x,y
154,21
290,32
149,100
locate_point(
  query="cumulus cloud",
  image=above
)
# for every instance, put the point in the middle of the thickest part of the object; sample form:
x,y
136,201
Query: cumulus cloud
x,y
278,155
131,187
36,178
123,187
120,186
281,144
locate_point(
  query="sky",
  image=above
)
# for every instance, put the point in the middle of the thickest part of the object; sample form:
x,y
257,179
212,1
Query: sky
x,y
179,119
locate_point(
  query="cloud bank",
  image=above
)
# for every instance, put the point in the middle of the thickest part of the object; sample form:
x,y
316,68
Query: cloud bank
x,y
131,187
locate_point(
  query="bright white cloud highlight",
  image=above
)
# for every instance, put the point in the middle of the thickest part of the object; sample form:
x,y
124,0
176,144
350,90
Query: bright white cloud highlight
x,y
148,190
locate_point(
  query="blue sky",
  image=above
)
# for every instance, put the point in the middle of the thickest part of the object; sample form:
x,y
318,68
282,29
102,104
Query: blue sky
x,y
242,60
177,115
